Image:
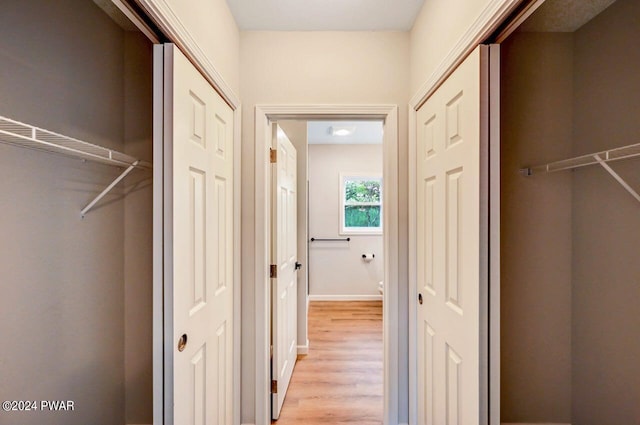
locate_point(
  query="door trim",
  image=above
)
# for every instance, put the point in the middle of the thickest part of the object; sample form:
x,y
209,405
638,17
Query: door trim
x,y
158,234
163,15
494,234
490,18
264,115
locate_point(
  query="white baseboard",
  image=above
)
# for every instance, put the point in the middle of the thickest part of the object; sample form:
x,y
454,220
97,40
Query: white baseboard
x,y
303,349
345,297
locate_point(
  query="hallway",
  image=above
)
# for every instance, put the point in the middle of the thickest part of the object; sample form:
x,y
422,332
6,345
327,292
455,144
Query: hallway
x,y
340,380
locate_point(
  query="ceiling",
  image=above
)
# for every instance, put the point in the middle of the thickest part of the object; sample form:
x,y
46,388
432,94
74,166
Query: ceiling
x,y
564,15
363,132
325,15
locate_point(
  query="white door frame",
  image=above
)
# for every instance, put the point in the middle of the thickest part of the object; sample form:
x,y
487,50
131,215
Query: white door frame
x,y
264,115
161,13
479,31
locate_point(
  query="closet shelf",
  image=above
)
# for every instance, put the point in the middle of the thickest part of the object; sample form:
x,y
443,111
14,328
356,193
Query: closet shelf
x,y
25,135
28,136
601,158
625,152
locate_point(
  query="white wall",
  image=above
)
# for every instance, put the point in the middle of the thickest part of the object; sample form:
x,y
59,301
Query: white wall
x,y
316,68
439,25
337,268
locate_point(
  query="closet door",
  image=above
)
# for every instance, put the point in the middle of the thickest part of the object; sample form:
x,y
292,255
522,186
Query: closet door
x,y
452,250
198,262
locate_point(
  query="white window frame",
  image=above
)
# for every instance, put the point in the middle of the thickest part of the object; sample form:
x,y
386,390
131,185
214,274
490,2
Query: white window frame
x,y
359,230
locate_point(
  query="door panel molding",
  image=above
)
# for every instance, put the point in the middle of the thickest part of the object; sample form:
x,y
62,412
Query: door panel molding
x,y
264,115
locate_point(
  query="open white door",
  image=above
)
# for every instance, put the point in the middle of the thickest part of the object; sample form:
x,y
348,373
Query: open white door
x,y
284,282
452,263
197,240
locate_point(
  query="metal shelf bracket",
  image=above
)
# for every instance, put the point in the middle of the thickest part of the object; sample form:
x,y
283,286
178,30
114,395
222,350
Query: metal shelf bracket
x,y
102,194
617,176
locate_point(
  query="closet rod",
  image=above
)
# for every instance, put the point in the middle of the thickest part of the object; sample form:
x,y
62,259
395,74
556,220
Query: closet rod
x,y
625,152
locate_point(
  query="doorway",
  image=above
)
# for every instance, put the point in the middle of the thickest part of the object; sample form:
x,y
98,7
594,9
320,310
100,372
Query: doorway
x,y
568,139
76,151
265,117
340,279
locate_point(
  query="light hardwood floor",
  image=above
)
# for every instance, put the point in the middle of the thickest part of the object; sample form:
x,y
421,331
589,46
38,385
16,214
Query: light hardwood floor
x,y
340,380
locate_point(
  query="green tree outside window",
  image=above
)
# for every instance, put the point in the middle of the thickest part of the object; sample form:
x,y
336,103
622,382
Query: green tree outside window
x,y
362,204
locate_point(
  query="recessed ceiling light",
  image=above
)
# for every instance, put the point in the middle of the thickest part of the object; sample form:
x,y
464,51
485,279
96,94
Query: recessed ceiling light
x,y
341,131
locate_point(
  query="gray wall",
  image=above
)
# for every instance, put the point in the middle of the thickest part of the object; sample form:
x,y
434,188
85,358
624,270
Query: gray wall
x,y
138,231
62,277
606,221
536,229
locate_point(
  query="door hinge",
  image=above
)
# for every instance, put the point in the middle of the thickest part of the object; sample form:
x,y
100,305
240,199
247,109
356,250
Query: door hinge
x,y
273,155
273,271
274,387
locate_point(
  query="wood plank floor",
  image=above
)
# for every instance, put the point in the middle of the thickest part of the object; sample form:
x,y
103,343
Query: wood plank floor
x,y
340,380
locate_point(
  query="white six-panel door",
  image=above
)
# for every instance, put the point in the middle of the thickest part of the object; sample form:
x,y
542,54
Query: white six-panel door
x,y
284,322
198,196
451,251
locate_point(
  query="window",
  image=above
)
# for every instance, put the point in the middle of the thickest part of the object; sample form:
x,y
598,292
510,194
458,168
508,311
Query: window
x,y
361,204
